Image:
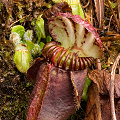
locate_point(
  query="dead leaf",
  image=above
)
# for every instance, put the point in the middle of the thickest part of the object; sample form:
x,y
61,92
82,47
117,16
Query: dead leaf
x,y
102,80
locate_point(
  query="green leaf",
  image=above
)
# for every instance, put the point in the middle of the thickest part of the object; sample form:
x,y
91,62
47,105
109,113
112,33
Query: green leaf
x,y
48,39
41,45
77,10
30,45
85,90
19,29
113,5
40,28
28,84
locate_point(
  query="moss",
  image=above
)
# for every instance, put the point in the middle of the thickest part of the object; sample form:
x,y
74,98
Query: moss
x,y
80,113
14,86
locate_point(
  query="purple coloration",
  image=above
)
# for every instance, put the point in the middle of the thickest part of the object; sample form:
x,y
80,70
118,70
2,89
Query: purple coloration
x,y
82,42
89,27
66,29
39,94
75,62
54,96
60,81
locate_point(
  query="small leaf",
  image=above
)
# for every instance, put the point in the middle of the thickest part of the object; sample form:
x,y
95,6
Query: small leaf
x,y
113,5
30,45
41,45
48,39
28,84
85,90
40,28
19,29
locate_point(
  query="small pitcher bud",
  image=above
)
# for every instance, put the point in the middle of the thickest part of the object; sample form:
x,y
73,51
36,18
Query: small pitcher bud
x,y
22,58
28,35
15,38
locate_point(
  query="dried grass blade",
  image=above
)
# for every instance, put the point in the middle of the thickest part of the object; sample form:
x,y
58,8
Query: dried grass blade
x,y
112,87
99,6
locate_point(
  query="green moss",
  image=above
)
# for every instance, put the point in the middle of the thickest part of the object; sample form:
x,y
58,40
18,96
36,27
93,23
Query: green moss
x,y
80,113
14,86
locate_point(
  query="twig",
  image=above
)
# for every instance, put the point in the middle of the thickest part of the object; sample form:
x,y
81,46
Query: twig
x,y
18,21
119,68
86,4
109,23
97,96
117,22
112,87
91,11
99,7
97,101
112,38
118,2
